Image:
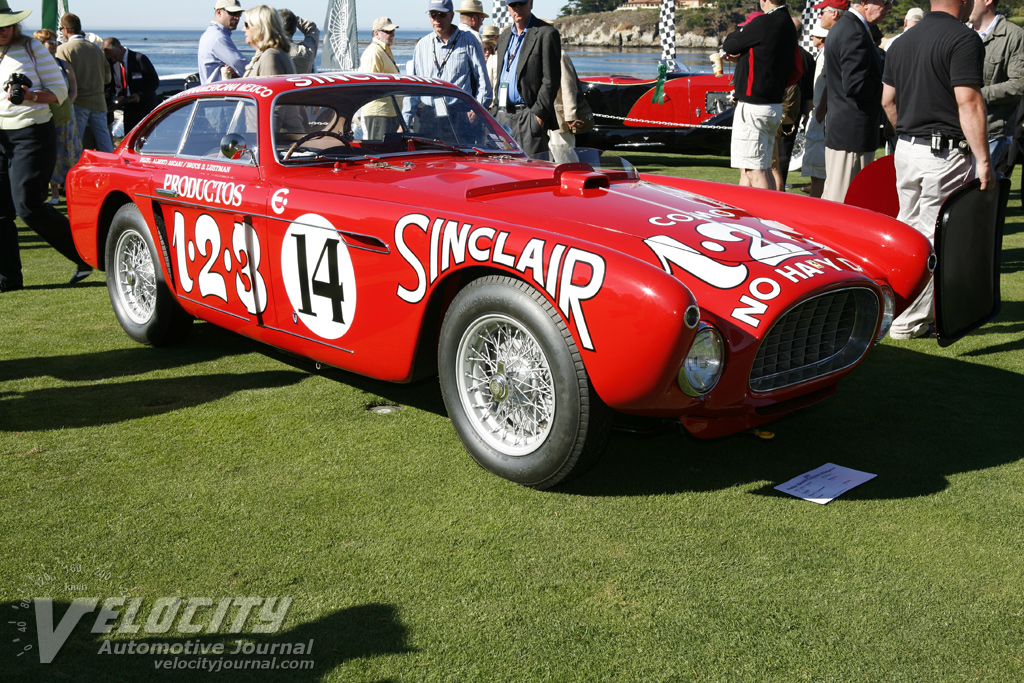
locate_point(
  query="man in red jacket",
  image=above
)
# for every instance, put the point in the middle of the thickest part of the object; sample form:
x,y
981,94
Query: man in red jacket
x,y
764,49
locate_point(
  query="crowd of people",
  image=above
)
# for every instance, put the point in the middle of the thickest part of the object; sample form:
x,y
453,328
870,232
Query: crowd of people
x,y
60,94
945,93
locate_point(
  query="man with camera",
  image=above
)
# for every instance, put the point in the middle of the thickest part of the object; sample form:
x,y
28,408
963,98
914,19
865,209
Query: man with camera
x,y
32,82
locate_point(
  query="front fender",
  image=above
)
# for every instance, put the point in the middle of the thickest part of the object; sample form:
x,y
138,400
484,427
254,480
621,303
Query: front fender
x,y
886,249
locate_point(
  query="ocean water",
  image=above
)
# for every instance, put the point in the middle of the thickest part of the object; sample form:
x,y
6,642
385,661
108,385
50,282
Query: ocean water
x,y
174,52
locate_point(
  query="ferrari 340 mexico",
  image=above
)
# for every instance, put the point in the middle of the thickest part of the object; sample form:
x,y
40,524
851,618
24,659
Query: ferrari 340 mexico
x,y
387,225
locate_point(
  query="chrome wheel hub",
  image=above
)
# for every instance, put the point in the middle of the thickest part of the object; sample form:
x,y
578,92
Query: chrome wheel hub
x,y
135,277
505,385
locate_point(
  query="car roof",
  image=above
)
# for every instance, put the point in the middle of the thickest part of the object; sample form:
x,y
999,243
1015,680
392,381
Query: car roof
x,y
270,86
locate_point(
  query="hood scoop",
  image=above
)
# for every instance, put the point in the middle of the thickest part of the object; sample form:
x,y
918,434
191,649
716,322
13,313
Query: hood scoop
x,y
573,178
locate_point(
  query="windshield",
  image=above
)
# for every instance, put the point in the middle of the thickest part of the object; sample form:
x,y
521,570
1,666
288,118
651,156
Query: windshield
x,y
344,122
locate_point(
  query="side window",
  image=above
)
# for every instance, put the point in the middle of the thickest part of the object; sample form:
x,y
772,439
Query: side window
x,y
165,136
213,120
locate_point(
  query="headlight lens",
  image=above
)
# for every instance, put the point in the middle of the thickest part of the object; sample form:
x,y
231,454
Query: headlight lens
x,y
888,313
703,364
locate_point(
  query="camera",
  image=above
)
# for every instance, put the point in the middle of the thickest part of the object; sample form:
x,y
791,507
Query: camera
x,y
15,94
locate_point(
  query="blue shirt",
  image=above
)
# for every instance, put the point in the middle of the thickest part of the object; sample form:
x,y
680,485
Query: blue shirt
x,y
510,69
460,61
215,50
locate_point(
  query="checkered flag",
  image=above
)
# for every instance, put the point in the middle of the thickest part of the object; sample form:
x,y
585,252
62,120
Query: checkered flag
x,y
808,18
499,15
667,29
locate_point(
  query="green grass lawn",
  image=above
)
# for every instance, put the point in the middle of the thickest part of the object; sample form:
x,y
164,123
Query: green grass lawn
x,y
221,468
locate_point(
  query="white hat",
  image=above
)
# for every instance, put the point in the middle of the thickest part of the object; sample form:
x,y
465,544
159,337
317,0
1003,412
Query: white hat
x,y
818,31
228,6
384,24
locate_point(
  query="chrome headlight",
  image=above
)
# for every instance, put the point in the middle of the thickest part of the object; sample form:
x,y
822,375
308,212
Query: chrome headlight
x,y
888,313
703,364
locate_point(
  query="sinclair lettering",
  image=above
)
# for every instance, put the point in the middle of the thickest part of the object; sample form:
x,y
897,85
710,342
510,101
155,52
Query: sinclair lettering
x,y
453,243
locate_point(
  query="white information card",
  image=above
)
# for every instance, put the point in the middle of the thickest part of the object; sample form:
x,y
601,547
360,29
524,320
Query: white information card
x,y
824,483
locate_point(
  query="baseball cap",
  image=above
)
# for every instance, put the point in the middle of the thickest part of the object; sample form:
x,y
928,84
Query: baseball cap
x,y
228,6
383,24
439,6
833,4
819,32
750,18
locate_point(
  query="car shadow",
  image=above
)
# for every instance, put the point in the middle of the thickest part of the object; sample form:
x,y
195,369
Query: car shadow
x,y
915,420
205,343
369,630
68,407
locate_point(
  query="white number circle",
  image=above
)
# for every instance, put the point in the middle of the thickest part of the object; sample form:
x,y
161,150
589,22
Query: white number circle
x,y
318,276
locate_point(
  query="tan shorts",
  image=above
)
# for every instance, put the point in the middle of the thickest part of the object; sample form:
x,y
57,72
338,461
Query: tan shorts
x,y
754,127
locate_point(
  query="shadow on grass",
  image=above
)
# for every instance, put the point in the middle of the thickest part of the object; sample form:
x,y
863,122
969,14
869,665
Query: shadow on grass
x,y
363,631
205,343
913,419
1013,261
114,402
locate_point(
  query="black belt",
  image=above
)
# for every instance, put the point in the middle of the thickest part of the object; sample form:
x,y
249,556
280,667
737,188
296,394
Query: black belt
x,y
513,108
945,142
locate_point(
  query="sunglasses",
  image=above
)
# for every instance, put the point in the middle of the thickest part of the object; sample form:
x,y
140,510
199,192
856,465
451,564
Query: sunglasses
x,y
438,15
517,5
234,14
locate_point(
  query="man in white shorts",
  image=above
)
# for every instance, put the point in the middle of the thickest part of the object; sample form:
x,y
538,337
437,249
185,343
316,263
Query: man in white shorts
x,y
765,45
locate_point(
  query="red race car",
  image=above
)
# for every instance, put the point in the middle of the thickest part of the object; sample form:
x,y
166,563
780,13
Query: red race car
x,y
389,226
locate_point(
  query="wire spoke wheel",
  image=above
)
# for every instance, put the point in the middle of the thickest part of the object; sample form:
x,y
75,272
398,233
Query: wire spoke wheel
x,y
505,384
135,277
142,302
515,386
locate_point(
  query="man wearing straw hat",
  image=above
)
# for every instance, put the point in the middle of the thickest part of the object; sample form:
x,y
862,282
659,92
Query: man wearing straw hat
x,y
472,17
489,34
28,148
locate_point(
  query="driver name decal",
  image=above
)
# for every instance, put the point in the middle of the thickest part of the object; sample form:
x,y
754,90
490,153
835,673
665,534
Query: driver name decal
x,y
571,276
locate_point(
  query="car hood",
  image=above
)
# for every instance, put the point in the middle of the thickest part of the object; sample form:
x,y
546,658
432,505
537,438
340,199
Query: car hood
x,y
720,243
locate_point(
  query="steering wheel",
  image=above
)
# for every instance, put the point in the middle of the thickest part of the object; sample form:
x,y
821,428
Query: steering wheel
x,y
315,134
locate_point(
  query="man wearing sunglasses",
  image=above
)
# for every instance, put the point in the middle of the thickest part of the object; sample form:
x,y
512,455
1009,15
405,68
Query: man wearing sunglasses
x,y
529,75
218,56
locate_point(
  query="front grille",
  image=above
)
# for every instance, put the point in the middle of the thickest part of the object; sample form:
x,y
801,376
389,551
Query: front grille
x,y
815,338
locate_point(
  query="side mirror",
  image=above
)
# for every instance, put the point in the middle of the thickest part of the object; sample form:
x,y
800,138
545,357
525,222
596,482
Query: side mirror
x,y
233,146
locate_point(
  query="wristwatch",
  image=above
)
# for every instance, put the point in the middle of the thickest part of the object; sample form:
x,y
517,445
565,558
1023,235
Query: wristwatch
x,y
35,95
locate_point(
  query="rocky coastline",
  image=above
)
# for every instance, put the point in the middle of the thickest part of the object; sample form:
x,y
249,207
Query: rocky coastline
x,y
624,29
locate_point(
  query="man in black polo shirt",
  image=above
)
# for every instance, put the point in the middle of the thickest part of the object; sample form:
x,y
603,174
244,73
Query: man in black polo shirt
x,y
932,96
765,54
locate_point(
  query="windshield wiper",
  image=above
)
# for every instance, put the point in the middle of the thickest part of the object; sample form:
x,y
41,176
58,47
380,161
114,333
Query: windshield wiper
x,y
439,143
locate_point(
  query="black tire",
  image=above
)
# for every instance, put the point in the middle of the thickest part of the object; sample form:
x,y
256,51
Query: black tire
x,y
537,422
143,304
